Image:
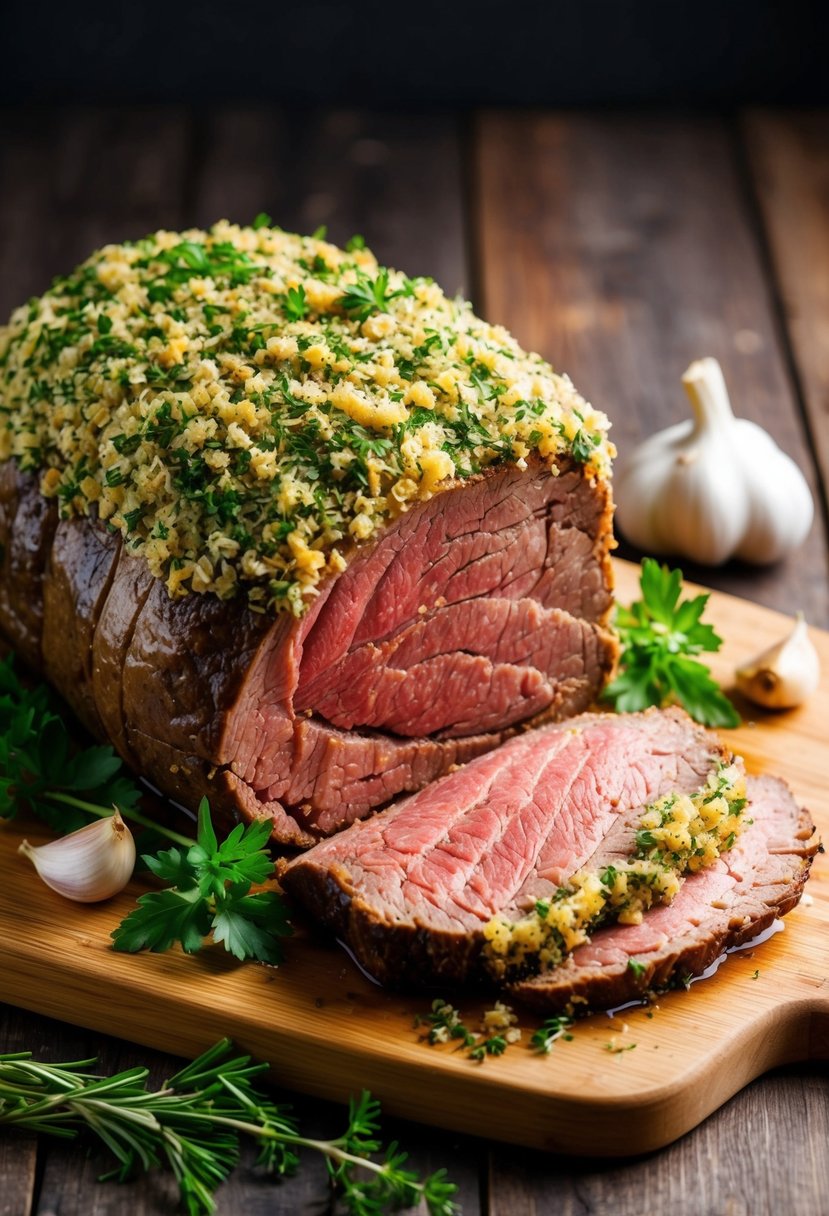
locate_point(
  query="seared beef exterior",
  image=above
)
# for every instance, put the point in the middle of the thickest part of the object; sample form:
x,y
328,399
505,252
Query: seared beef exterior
x,y
411,890
476,610
724,906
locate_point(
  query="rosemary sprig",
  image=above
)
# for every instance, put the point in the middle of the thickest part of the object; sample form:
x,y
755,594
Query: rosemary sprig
x,y
193,1126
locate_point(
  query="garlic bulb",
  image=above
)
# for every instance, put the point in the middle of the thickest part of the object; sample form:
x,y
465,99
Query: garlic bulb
x,y
712,488
91,864
784,675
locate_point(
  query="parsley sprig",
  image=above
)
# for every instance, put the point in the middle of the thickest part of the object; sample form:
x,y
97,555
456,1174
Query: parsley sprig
x,y
295,305
194,1124
210,882
209,892
366,295
660,634
39,766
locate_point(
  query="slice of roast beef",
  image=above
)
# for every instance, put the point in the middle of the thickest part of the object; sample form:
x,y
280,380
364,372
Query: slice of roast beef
x,y
726,905
411,889
474,611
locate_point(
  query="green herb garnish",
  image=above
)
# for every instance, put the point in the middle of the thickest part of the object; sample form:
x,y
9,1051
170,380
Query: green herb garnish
x,y
659,635
210,893
194,1124
367,295
549,1032
445,1025
211,881
295,305
61,784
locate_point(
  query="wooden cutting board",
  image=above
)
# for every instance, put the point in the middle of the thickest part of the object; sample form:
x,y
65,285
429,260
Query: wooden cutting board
x,y
327,1030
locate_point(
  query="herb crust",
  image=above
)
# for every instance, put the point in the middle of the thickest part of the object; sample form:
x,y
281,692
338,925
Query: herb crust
x,y
243,404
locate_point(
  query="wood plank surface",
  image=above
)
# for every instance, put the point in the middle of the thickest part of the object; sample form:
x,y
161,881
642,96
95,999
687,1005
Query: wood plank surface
x,y
737,1163
328,1031
788,153
621,248
397,181
77,178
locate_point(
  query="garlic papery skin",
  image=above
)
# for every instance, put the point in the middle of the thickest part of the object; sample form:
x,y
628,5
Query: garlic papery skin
x,y
89,865
713,487
784,675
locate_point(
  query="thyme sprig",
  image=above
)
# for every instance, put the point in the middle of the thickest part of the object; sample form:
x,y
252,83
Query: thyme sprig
x,y
194,1125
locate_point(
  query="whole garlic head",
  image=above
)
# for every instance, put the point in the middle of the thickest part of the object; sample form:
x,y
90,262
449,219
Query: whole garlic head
x,y
712,488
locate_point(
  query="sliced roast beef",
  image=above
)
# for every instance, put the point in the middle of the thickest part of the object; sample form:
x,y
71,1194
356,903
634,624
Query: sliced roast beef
x,y
726,905
411,889
27,525
474,611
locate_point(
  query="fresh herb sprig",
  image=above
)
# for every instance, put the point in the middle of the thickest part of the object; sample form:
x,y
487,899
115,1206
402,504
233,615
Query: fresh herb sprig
x,y
366,295
210,894
210,881
194,1124
660,634
39,766
549,1032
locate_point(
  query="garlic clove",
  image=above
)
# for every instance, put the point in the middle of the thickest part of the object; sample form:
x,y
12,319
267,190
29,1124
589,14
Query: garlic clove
x,y
784,675
89,865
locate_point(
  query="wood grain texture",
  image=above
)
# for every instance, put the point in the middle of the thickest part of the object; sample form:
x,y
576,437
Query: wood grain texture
x,y
394,178
765,1151
621,248
328,1031
789,155
80,178
18,1159
67,1180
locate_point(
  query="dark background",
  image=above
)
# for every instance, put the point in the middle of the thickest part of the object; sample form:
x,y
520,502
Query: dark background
x,y
596,52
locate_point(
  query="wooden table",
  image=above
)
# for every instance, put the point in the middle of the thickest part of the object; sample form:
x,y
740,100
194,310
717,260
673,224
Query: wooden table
x,y
621,247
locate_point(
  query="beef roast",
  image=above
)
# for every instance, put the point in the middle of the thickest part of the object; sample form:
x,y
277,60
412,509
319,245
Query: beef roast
x,y
726,905
478,609
411,889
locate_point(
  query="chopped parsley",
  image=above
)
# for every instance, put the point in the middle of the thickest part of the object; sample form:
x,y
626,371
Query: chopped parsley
x,y
243,404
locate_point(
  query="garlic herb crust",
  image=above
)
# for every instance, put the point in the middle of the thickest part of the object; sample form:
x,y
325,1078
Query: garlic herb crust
x,y
243,404
679,834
